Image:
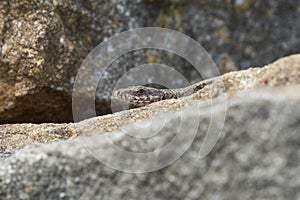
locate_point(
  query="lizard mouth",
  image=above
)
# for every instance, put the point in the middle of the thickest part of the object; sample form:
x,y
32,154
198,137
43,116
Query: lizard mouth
x,y
139,100
134,100
139,96
128,98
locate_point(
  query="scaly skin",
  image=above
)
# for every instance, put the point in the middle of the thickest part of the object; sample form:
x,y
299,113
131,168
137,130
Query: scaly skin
x,y
138,96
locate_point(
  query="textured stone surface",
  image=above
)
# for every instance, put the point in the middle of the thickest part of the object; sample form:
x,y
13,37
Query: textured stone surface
x,y
44,42
42,45
257,157
283,72
38,60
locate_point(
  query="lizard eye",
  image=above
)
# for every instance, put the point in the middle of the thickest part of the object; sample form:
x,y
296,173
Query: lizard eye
x,y
140,91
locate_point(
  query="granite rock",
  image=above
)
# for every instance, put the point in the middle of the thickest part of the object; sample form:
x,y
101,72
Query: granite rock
x,y
256,157
44,42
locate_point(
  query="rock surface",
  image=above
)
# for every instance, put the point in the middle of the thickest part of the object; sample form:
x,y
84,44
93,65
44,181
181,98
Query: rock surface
x,y
256,157
283,72
44,42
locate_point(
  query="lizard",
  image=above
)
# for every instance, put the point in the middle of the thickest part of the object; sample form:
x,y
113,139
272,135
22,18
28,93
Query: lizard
x,y
138,96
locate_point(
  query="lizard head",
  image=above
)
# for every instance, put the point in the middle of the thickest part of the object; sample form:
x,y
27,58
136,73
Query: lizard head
x,y
138,96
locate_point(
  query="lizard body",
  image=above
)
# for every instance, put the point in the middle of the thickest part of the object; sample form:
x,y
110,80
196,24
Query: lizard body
x,y
138,96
